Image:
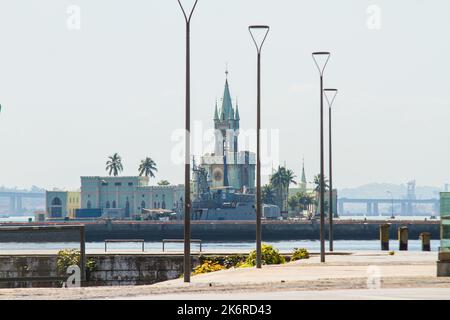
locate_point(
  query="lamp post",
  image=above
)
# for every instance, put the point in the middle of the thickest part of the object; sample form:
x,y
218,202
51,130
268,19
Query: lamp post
x,y
330,95
258,44
187,168
321,61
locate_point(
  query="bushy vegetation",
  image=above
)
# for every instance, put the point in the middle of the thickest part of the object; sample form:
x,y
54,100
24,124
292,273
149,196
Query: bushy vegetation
x,y
208,266
70,257
269,255
217,263
299,254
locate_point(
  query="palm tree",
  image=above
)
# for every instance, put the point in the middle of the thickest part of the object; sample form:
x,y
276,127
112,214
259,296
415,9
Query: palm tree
x,y
147,167
281,180
163,183
268,194
305,200
288,180
317,183
114,165
277,181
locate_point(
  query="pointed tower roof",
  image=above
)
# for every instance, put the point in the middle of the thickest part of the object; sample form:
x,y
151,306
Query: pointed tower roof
x,y
236,115
227,111
303,172
216,113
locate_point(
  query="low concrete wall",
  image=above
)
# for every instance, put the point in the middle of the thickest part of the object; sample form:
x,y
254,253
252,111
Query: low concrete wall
x,y
111,269
228,231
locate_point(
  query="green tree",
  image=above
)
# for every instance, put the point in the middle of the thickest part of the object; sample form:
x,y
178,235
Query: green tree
x,y
305,200
114,165
317,183
268,194
147,167
281,180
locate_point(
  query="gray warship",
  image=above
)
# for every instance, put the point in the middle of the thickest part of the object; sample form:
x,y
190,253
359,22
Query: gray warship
x,y
224,203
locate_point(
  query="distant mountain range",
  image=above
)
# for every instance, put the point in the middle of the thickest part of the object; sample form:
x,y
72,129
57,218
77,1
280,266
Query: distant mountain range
x,y
380,190
15,189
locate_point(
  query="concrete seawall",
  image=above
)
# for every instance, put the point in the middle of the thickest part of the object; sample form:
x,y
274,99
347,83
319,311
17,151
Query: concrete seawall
x,y
226,231
110,270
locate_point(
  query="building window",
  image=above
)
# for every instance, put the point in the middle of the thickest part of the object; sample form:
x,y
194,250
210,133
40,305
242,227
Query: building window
x,y
143,205
130,183
114,205
104,184
89,204
154,205
118,184
108,205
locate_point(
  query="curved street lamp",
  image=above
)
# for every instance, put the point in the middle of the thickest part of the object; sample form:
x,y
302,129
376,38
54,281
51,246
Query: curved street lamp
x,y
258,44
330,95
321,61
187,169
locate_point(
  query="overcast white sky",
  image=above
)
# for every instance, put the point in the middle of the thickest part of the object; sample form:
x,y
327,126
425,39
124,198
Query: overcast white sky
x,y
72,97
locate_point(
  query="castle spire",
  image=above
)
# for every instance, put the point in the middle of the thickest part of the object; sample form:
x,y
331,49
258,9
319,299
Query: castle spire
x,y
216,113
227,111
303,172
236,115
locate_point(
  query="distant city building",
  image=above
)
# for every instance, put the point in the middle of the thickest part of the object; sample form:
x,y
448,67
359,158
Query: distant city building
x,y
227,166
125,197
61,204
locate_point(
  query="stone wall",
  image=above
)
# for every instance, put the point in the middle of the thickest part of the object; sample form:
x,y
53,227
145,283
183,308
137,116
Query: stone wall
x,y
111,269
226,231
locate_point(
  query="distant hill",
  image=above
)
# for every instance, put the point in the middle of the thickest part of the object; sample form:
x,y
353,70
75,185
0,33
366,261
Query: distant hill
x,y
380,190
15,189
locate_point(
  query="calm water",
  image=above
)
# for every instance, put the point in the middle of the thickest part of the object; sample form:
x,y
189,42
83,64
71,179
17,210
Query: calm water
x,y
414,245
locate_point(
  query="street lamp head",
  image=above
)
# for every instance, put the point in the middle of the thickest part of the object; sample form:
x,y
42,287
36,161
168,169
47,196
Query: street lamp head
x,y
321,59
330,95
263,30
189,9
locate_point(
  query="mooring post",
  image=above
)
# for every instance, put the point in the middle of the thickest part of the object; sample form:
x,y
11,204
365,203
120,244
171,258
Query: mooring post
x,y
426,241
403,238
384,236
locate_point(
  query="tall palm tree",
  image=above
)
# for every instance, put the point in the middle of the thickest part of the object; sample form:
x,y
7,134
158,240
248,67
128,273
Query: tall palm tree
x,y
114,165
288,180
281,180
147,167
268,194
317,183
277,181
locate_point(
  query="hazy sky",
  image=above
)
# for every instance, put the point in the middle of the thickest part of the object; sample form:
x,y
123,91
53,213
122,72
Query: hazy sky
x,y
72,97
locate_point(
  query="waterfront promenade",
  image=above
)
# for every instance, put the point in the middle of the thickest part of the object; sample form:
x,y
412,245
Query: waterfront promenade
x,y
345,275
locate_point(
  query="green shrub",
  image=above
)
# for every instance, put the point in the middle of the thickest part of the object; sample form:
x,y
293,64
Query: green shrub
x,y
69,257
269,255
299,254
208,266
226,261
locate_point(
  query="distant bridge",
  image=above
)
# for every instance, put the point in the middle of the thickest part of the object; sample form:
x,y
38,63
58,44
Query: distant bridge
x,y
16,198
406,205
